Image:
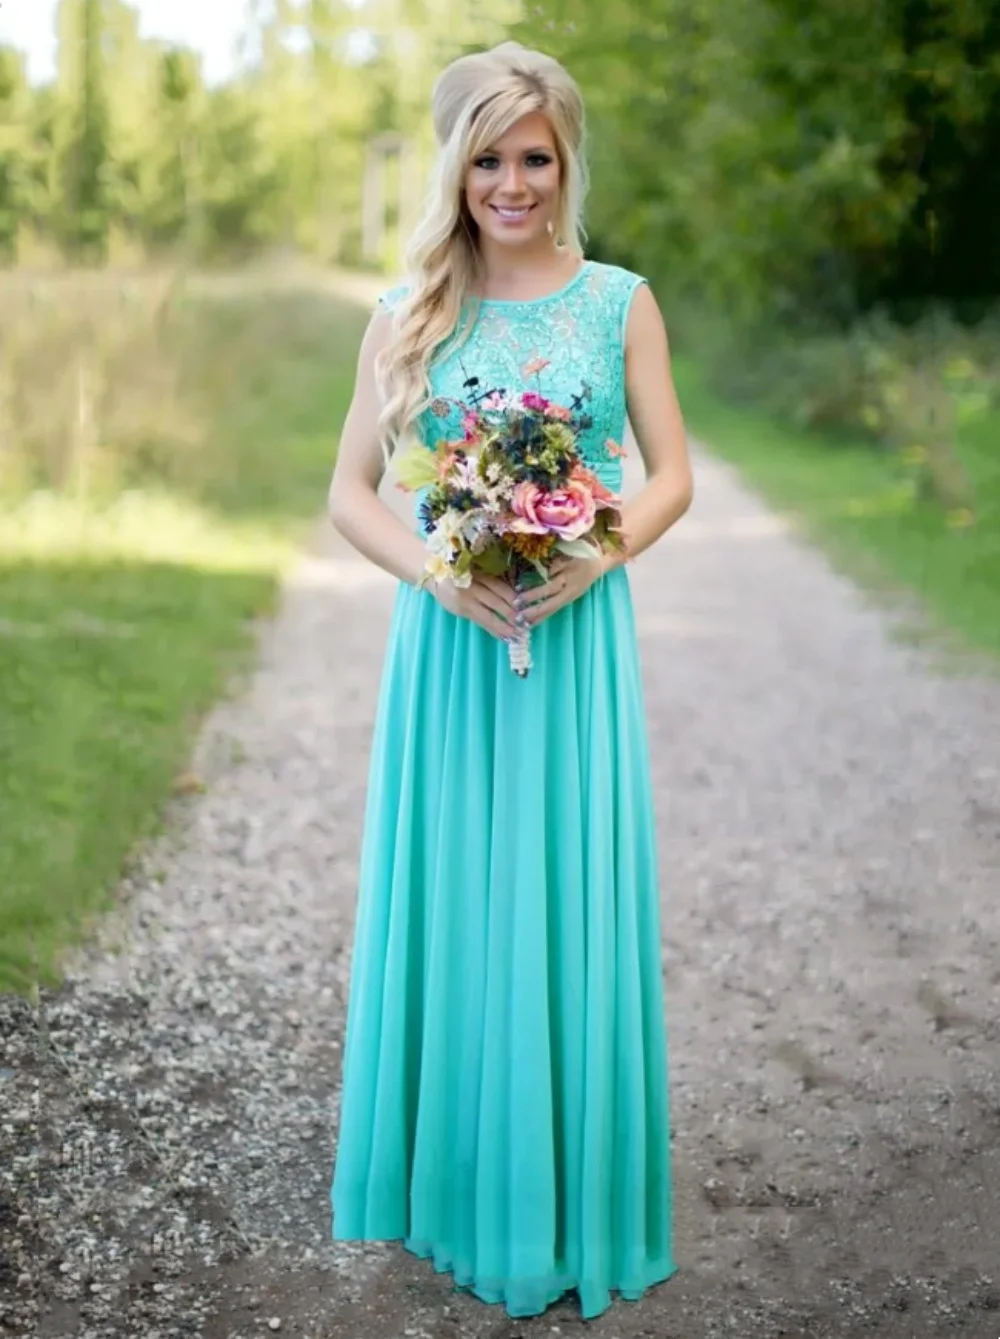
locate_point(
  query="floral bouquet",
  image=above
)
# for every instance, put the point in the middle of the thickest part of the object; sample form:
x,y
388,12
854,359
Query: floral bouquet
x,y
511,493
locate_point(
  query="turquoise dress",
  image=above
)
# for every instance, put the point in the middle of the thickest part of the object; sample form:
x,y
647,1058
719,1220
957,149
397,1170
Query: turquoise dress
x,y
504,1107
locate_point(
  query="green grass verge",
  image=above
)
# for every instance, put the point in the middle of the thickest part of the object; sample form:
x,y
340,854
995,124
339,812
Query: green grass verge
x,y
861,506
121,623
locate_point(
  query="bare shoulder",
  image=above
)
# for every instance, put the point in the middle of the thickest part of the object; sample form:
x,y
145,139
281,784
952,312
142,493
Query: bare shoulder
x,y
377,334
379,325
645,324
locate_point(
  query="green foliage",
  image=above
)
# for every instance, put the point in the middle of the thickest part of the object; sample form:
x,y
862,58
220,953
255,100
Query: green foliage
x,y
872,513
416,468
13,149
239,177
86,151
126,614
494,560
129,148
803,183
790,157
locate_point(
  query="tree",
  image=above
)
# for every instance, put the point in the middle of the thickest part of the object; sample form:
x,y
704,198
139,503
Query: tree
x,y
86,153
14,151
790,157
170,189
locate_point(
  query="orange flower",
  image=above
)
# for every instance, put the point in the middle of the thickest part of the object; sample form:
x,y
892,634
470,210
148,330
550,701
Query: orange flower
x,y
532,546
446,460
602,496
535,366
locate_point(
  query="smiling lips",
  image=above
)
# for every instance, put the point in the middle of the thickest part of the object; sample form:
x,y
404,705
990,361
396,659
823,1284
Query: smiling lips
x,y
512,215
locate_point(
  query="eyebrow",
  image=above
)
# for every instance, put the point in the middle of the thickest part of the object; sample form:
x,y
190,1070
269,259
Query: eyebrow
x,y
536,148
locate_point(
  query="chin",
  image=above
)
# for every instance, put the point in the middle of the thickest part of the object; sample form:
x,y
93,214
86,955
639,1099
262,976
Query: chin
x,y
514,237
514,241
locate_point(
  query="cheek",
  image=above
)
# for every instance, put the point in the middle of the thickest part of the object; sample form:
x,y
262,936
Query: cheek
x,y
475,189
548,182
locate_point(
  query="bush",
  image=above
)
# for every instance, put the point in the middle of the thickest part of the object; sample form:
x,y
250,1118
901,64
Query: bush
x,y
910,390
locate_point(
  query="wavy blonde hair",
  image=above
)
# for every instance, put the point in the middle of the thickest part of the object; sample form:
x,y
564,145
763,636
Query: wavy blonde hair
x,y
476,99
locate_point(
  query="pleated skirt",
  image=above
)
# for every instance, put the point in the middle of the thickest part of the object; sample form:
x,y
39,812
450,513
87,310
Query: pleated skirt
x,y
504,1101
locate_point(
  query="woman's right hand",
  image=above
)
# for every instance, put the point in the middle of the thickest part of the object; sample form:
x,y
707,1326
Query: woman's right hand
x,y
488,601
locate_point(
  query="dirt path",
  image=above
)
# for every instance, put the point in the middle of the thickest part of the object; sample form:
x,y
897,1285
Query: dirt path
x,y
829,809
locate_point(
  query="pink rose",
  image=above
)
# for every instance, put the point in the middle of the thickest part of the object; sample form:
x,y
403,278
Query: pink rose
x,y
524,503
568,512
532,400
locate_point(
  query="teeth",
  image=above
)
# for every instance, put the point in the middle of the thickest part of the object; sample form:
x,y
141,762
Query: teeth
x,y
510,213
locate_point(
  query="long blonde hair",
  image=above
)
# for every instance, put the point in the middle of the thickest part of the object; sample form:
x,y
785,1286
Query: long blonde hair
x,y
476,99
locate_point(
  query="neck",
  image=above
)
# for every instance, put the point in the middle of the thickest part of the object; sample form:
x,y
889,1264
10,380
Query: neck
x,y
507,265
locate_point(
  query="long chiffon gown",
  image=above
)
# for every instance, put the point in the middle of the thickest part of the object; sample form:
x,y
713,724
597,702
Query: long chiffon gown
x,y
504,1106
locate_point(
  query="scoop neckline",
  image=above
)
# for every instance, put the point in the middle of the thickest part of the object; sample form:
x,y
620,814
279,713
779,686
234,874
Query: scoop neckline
x,y
546,297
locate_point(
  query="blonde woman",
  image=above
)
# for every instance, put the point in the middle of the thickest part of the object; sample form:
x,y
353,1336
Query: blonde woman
x,y
504,1106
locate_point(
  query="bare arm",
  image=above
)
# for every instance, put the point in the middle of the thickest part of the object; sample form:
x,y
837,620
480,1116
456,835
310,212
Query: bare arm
x,y
365,521
655,415
355,507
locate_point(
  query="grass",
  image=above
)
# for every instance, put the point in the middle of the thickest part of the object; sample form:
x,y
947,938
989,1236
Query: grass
x,y
865,508
132,574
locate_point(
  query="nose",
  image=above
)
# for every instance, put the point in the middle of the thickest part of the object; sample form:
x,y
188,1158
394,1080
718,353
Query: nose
x,y
512,180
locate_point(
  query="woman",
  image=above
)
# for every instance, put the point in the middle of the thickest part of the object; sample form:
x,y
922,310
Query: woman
x,y
504,1107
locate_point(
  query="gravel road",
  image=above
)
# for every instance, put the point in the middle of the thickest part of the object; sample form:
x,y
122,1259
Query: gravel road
x,y
829,809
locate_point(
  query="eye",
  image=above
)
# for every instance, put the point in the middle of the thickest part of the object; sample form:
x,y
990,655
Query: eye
x,y
489,161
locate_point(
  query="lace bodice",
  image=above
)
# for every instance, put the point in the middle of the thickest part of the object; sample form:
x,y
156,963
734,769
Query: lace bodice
x,y
578,332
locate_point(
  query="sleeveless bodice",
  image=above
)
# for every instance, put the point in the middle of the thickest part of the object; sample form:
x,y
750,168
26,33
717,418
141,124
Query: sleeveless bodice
x,y
574,337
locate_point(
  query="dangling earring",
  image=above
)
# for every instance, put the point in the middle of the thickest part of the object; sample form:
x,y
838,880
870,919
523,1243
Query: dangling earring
x,y
550,228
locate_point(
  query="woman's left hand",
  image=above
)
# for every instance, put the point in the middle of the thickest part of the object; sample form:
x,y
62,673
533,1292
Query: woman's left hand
x,y
568,579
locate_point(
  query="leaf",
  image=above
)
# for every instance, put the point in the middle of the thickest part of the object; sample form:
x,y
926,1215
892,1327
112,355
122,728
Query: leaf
x,y
494,560
416,468
463,562
578,548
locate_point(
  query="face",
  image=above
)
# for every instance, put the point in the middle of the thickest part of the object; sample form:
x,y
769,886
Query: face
x,y
512,187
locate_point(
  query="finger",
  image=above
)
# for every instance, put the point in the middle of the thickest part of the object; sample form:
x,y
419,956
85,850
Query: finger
x,y
497,593
539,612
507,613
549,591
482,614
543,611
557,594
499,589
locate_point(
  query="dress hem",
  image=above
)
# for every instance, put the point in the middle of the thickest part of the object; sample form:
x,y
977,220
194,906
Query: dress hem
x,y
466,1281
